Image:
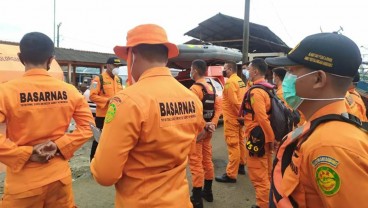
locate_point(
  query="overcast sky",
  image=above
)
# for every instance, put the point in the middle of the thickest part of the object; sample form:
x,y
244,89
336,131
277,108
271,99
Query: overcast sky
x,y
99,25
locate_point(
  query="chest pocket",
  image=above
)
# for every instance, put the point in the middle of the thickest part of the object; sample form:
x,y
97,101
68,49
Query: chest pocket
x,y
108,85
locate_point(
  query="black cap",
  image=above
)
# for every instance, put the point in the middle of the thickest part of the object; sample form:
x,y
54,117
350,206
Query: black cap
x,y
331,52
114,60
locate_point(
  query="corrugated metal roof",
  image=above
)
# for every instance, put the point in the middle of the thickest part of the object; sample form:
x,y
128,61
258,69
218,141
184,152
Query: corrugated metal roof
x,y
71,55
227,31
63,54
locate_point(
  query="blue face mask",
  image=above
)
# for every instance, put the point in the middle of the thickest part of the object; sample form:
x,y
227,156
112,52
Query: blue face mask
x,y
246,73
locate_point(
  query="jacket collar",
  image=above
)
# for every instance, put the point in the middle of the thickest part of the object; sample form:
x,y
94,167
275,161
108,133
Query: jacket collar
x,y
201,80
156,71
36,71
337,107
259,81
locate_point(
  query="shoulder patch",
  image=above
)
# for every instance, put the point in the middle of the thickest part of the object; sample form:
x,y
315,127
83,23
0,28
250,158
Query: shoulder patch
x,y
227,85
93,85
241,84
328,180
110,115
116,101
325,160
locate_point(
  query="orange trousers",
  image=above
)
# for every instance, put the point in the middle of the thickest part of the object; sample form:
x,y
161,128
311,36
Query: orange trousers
x,y
200,162
259,171
234,137
56,194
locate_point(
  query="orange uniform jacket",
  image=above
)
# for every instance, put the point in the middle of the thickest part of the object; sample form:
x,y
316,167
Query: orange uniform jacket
x,y
331,169
201,155
280,94
261,104
111,87
36,108
197,89
361,109
232,97
147,136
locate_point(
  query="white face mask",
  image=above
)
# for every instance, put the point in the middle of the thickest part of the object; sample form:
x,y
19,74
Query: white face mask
x,y
246,73
115,71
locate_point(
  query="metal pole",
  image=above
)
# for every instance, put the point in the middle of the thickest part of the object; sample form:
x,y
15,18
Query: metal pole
x,y
246,31
54,18
58,34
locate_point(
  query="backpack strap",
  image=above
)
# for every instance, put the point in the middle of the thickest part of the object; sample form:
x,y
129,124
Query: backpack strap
x,y
204,89
344,117
247,99
101,83
208,102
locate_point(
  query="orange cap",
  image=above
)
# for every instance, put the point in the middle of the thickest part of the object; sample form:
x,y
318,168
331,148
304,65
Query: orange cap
x,y
146,34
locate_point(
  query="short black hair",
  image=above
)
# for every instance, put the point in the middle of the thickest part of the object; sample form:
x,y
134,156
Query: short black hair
x,y
246,64
232,65
200,66
260,64
152,52
280,72
36,48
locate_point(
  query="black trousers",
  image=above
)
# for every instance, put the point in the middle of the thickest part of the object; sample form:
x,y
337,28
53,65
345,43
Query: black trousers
x,y
99,124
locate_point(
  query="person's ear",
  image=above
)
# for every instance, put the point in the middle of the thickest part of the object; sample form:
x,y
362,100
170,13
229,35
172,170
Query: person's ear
x,y
49,61
256,72
319,79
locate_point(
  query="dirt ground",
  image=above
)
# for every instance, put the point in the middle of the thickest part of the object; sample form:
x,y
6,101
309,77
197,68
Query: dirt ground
x,y
89,194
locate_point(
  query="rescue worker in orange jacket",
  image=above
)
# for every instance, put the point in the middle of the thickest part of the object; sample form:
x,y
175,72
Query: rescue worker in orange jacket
x,y
200,160
354,102
258,128
101,93
37,110
327,166
233,94
149,128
